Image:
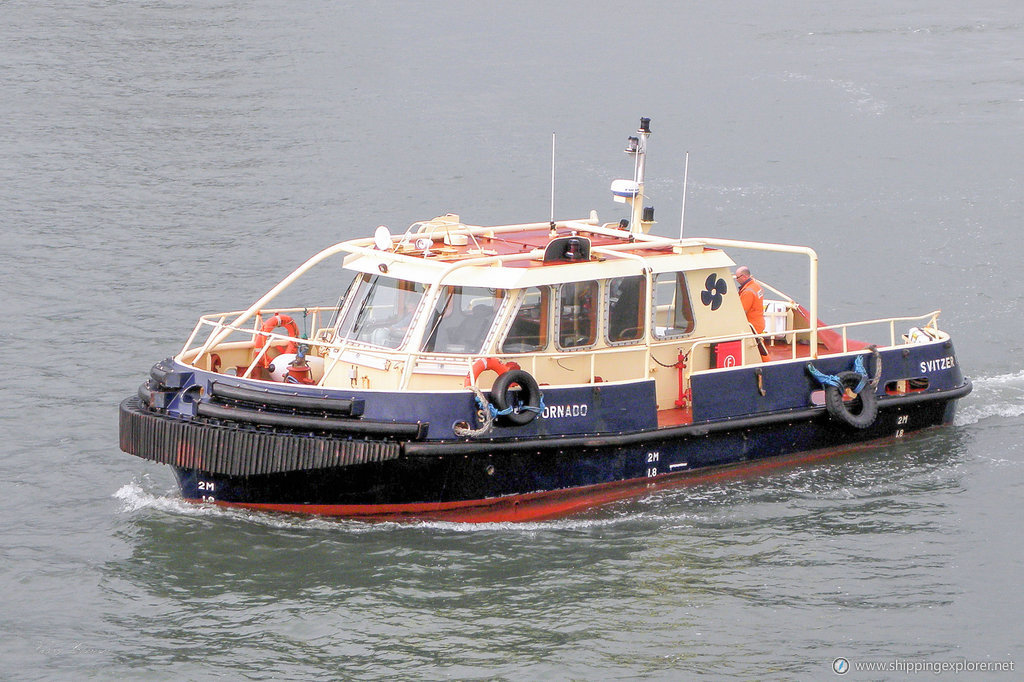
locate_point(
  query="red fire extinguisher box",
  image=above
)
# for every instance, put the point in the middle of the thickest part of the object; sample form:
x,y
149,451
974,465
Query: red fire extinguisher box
x,y
726,353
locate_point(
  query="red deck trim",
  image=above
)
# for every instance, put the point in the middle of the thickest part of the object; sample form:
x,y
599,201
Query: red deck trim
x,y
676,416
780,350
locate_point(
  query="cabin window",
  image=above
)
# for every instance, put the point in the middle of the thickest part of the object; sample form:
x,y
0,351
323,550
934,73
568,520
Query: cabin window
x,y
673,314
625,300
577,314
353,279
381,311
461,319
528,332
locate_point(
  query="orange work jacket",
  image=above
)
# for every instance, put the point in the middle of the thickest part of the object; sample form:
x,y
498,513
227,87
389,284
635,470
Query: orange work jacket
x,y
752,300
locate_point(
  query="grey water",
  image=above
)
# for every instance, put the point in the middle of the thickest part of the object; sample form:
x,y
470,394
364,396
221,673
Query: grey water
x,y
164,159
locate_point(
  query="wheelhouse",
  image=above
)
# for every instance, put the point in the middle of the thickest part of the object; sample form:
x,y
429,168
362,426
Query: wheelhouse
x,y
574,302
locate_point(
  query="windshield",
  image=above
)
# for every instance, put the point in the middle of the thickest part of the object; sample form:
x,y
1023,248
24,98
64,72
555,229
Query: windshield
x,y
461,319
380,311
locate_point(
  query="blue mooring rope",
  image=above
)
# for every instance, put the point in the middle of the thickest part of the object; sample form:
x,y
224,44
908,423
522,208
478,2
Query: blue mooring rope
x,y
495,412
833,380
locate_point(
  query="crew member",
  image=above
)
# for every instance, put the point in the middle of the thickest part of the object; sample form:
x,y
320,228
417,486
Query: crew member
x,y
751,298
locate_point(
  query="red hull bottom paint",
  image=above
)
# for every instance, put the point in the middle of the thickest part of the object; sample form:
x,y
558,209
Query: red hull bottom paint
x,y
540,505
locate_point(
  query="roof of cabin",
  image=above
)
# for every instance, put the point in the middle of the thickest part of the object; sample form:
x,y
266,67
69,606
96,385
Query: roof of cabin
x,y
511,256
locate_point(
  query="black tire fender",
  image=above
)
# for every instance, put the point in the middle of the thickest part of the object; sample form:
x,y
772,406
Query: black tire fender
x,y
848,412
526,407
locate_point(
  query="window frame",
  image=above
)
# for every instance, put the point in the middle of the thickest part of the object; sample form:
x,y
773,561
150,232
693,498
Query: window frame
x,y
682,284
354,309
448,294
641,313
595,334
544,323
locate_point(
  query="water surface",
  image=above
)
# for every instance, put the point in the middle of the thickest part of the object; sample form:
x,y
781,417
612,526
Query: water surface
x,y
161,160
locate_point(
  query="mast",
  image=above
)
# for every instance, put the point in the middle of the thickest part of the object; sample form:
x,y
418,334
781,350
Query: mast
x,y
632,192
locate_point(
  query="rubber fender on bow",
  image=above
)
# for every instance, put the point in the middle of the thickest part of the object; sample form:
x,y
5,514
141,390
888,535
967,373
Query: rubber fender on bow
x,y
860,413
516,408
278,320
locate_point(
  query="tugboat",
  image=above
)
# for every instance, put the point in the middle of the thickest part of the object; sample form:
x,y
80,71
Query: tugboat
x,y
528,371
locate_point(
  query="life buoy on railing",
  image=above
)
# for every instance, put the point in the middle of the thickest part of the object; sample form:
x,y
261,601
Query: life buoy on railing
x,y
493,364
278,320
517,409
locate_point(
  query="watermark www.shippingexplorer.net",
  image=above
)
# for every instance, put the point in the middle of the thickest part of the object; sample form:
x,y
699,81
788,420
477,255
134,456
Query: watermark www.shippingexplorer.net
x,y
842,665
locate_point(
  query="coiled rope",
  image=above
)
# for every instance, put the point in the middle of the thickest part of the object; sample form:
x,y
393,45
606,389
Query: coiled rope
x,y
490,413
483,404
858,367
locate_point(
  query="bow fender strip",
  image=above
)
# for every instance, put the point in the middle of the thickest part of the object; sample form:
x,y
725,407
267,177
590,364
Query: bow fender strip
x,y
236,452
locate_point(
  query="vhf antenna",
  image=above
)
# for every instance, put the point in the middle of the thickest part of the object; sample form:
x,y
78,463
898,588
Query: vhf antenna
x,y
682,216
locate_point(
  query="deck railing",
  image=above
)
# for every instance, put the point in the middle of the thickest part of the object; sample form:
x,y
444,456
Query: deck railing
x,y
793,336
220,332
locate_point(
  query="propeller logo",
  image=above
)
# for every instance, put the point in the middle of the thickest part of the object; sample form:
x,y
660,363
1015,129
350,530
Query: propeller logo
x,y
714,290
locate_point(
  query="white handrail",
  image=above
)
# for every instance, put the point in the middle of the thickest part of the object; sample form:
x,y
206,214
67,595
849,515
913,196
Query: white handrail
x,y
412,358
932,318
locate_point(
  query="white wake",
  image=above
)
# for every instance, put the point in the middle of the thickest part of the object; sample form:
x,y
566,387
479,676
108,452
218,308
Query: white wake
x,y
1000,396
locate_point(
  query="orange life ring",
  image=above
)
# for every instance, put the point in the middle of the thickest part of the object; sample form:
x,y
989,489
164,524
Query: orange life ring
x,y
278,320
493,364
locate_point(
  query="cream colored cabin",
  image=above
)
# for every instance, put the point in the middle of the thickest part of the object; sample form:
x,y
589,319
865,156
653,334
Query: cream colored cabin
x,y
575,303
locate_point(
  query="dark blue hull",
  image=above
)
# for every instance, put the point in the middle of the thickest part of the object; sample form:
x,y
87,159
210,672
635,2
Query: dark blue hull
x,y
521,481
591,444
